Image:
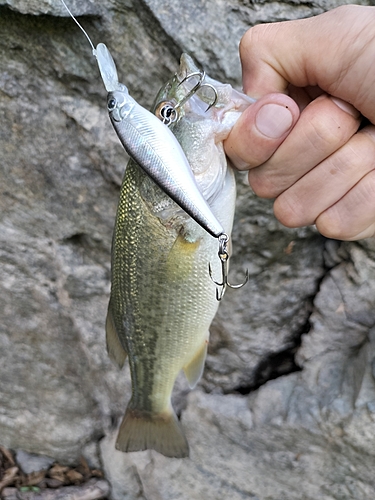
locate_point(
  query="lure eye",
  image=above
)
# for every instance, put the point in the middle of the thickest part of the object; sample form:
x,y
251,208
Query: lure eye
x,y
111,104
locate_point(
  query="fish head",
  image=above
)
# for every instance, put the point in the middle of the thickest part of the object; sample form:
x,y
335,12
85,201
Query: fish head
x,y
228,101
205,112
191,90
179,89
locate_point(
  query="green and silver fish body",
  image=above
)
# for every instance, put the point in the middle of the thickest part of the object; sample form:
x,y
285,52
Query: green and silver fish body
x,y
162,298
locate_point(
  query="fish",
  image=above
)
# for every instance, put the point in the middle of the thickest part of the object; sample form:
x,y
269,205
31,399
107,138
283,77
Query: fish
x,y
162,300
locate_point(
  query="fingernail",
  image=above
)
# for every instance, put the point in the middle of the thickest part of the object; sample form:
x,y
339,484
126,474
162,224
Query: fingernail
x,y
346,107
273,120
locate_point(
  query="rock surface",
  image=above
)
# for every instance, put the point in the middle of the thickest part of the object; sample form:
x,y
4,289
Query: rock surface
x,y
286,407
29,462
95,489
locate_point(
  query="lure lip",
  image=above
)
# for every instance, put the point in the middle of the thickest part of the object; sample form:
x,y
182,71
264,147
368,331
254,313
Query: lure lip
x,y
107,68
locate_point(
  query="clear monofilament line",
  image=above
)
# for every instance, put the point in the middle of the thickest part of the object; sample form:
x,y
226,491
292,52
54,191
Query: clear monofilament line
x,y
85,33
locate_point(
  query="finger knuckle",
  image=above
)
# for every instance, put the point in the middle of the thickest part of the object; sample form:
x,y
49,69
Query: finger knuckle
x,y
289,211
330,225
263,185
356,158
366,192
345,162
353,217
252,40
326,135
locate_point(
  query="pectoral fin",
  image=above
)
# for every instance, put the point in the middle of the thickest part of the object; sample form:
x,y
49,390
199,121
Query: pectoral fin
x,y
114,347
181,258
194,369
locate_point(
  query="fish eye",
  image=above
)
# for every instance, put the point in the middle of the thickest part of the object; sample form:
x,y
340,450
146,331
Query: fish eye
x,y
166,112
111,104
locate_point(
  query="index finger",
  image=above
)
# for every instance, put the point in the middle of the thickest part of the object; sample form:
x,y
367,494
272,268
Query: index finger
x,y
333,51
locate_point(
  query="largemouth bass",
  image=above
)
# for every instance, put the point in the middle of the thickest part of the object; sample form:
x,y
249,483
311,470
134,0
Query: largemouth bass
x,y
162,298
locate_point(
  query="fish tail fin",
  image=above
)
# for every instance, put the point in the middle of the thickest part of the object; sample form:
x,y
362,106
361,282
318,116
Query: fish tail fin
x,y
141,430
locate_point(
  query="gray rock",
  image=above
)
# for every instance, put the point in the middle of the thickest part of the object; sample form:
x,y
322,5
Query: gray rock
x,y
255,326
30,462
94,489
38,7
285,409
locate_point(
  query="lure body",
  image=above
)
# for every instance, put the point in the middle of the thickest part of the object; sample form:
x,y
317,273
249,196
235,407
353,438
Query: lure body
x,y
154,147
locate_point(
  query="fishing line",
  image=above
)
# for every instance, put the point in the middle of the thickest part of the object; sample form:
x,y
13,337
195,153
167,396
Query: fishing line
x,y
85,33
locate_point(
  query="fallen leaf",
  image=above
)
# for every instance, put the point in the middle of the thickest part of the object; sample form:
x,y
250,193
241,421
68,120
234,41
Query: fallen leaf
x,y
58,472
8,455
8,477
74,477
84,467
34,478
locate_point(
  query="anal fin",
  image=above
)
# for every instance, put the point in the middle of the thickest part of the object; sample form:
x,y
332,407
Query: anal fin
x,y
194,369
114,347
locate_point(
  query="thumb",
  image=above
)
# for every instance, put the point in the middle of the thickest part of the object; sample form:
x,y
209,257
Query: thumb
x,y
260,130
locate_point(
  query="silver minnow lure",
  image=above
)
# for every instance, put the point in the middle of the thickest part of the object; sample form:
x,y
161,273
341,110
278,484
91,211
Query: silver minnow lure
x,y
154,147
151,144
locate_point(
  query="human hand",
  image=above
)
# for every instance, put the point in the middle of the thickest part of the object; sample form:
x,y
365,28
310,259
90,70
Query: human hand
x,y
305,149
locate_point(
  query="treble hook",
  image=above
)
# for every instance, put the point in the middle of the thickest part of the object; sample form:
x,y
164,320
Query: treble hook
x,y
167,111
201,75
197,86
224,256
216,97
